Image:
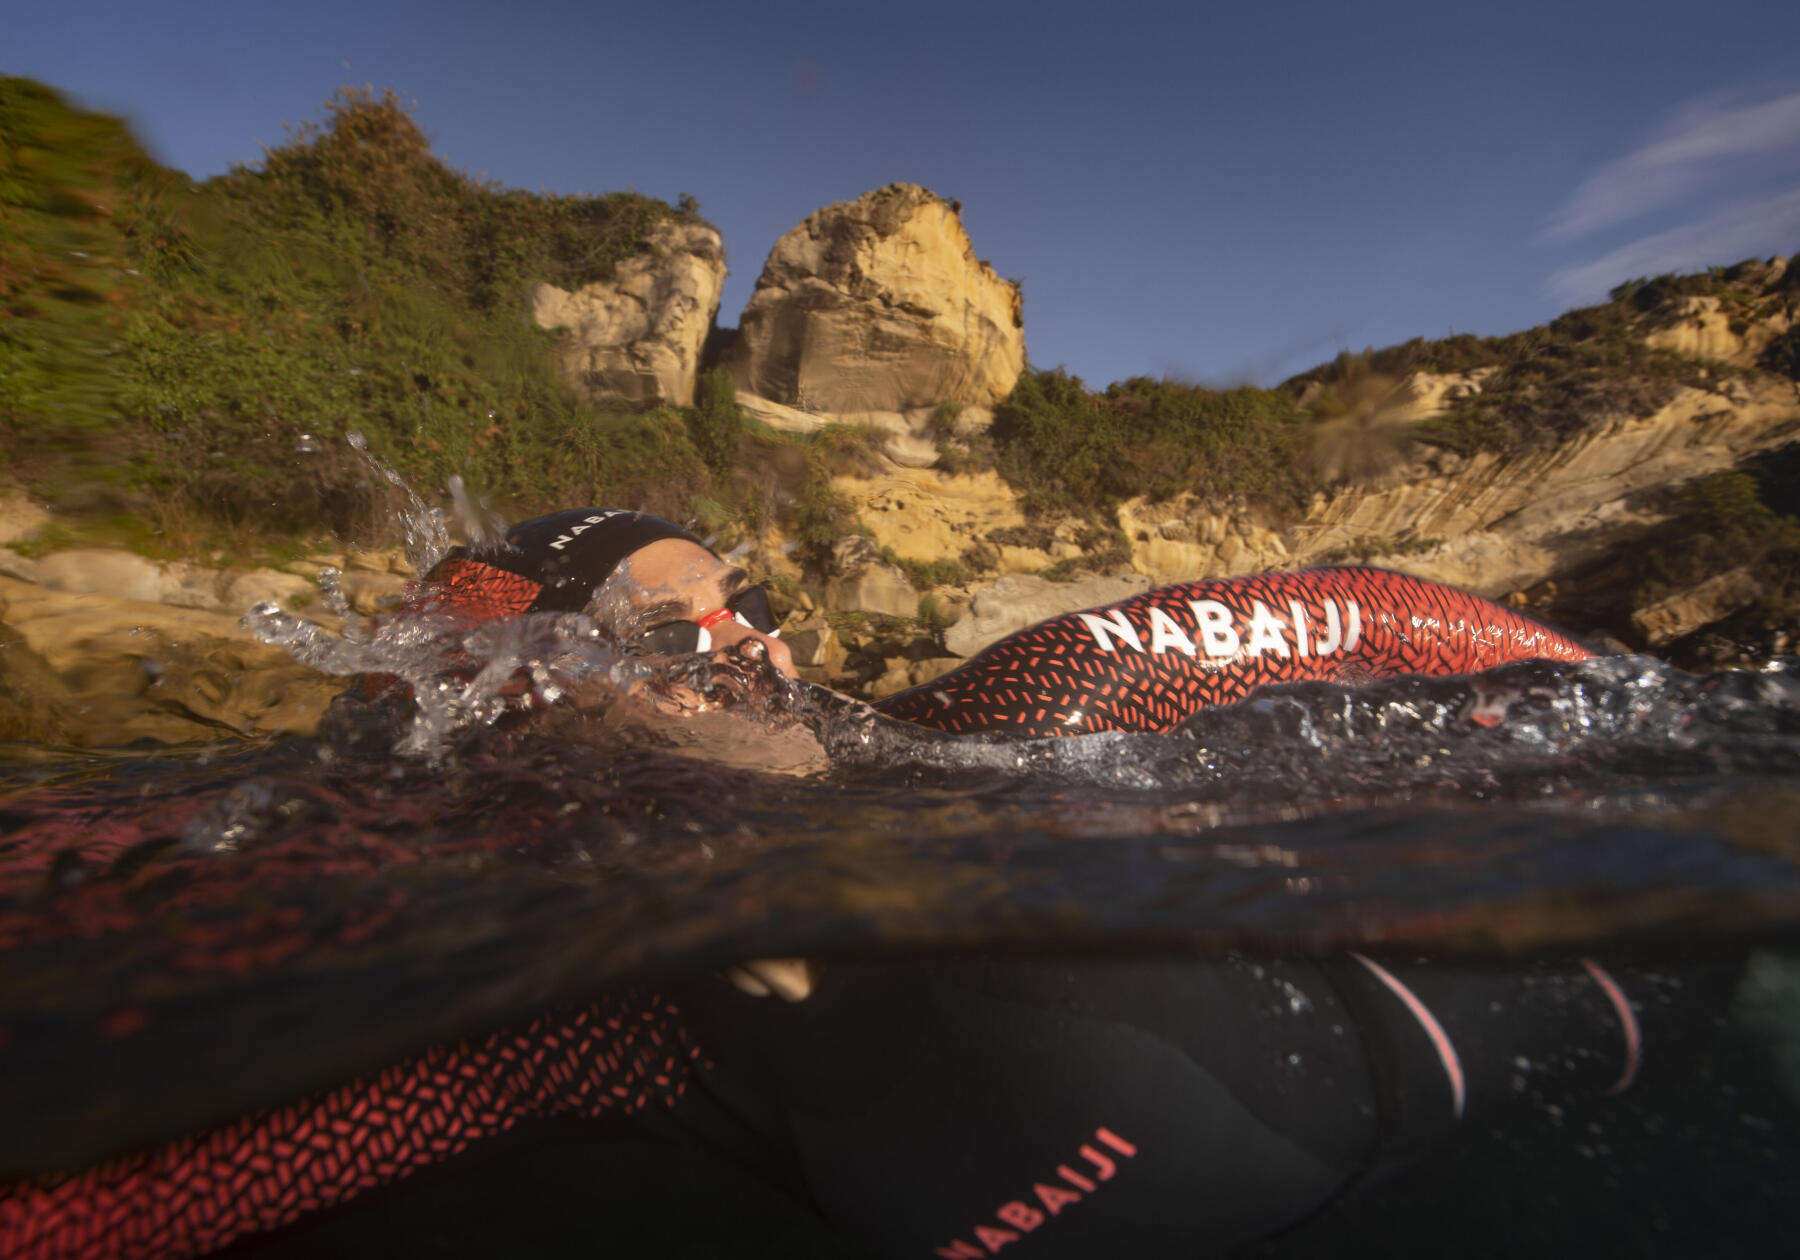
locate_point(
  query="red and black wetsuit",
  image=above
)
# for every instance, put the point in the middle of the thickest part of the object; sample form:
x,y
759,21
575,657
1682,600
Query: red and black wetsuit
x,y
1147,663
954,1107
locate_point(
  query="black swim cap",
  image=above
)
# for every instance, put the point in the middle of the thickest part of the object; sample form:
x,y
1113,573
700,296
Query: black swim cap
x,y
569,554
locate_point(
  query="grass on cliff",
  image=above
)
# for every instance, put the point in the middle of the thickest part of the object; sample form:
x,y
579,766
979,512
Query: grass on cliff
x,y
1071,450
1550,383
195,354
1747,518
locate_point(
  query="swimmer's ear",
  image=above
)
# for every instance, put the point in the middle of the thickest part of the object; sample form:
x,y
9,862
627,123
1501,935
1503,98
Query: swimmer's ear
x,y
791,979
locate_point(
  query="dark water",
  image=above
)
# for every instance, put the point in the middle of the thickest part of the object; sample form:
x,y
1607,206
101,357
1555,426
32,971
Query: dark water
x,y
184,936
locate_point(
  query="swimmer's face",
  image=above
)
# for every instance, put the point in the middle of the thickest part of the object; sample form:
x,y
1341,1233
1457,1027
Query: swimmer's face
x,y
675,580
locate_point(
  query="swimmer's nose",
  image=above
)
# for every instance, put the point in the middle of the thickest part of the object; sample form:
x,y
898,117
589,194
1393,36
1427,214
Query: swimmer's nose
x,y
728,633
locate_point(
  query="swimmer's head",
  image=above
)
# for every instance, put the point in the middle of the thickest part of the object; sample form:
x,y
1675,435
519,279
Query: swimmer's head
x,y
674,596
661,588
570,555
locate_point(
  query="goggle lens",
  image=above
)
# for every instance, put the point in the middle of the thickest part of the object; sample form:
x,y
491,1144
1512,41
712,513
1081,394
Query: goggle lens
x,y
749,607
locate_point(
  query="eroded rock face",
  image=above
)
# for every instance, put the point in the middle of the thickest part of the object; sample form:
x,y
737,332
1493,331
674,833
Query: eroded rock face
x,y
1489,523
922,514
636,338
126,575
99,671
1683,613
866,583
1019,600
1707,331
879,307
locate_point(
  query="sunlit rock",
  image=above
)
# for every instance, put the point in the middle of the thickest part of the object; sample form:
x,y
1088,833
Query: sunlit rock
x,y
637,337
879,305
122,670
1021,600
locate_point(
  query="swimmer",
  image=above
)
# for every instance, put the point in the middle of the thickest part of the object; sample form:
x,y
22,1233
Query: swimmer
x,y
958,1106
1144,664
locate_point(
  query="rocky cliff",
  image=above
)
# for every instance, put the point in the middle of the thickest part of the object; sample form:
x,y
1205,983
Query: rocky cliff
x,y
879,309
1557,468
637,337
1492,523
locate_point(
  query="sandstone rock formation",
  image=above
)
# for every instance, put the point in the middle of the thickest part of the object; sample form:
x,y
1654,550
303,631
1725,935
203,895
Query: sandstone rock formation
x,y
104,671
126,575
1021,600
922,514
637,337
1490,523
1705,330
1683,613
878,308
867,583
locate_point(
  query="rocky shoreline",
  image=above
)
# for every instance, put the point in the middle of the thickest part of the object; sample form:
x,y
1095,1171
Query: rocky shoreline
x,y
864,467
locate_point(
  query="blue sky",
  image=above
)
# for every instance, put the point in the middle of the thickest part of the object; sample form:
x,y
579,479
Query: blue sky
x,y
1218,193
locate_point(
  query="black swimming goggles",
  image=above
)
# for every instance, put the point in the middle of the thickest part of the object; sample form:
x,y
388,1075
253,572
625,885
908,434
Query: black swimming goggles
x,y
749,608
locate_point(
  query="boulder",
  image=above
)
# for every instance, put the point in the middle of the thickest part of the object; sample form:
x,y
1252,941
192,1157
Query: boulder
x,y
877,588
776,416
1021,600
815,645
879,305
1682,614
99,671
14,565
637,337
895,679
126,575
867,583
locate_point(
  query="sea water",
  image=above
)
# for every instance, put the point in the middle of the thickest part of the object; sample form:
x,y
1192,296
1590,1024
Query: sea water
x,y
189,934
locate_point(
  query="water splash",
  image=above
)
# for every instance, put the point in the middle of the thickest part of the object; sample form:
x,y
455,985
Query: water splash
x,y
426,533
1531,730
480,524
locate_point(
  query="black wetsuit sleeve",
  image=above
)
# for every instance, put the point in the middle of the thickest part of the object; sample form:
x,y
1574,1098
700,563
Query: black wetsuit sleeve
x,y
1127,1107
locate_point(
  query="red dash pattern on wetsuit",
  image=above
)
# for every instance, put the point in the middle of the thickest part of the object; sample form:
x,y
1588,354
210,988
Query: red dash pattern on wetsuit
x,y
481,592
195,1195
469,591
1149,662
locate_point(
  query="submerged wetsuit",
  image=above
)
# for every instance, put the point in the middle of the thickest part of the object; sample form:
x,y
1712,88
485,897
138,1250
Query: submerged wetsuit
x,y
957,1107
942,1106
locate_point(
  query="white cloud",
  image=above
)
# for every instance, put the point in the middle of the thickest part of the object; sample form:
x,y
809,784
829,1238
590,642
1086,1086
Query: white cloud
x,y
1693,148
1742,230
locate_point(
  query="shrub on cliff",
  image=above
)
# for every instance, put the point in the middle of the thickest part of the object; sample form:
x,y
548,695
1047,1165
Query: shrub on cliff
x,y
195,353
715,422
1739,519
1069,449
1557,380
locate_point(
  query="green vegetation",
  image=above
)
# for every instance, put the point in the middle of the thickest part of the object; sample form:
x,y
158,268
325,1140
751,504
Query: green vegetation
x,y
1103,548
925,574
933,619
715,422
195,355
1550,383
1070,450
1739,519
1378,547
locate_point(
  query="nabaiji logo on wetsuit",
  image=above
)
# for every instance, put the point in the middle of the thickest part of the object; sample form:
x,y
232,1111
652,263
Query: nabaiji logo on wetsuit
x,y
1224,637
1048,1198
563,540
